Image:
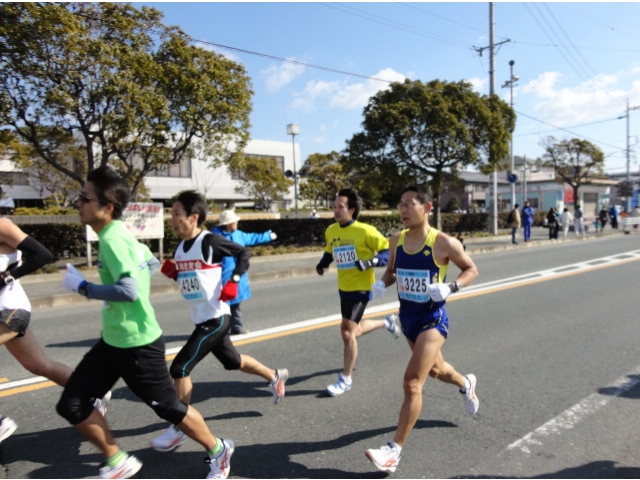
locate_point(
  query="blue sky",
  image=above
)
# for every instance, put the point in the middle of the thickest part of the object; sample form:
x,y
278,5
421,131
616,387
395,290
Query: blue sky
x,y
578,63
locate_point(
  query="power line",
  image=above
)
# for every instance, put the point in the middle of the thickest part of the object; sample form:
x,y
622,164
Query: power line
x,y
569,61
293,62
568,131
593,72
403,27
556,45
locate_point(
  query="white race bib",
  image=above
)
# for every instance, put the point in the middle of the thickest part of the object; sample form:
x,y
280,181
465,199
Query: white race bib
x,y
345,256
412,285
190,287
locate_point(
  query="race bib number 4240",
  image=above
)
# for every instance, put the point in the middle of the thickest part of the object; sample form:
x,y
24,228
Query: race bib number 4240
x,y
189,285
412,285
345,256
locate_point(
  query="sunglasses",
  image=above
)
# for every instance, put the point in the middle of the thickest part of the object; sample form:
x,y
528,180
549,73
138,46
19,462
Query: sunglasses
x,y
83,198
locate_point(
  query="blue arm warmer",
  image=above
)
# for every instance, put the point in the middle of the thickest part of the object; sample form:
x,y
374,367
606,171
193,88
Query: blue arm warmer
x,y
124,290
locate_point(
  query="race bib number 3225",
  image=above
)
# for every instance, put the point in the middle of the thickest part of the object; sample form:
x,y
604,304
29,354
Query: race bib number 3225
x,y
412,285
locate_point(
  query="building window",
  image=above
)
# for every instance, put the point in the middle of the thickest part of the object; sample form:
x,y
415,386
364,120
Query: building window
x,y
235,174
180,170
14,178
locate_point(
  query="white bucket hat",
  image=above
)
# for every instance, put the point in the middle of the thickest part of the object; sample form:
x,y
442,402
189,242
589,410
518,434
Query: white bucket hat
x,y
228,216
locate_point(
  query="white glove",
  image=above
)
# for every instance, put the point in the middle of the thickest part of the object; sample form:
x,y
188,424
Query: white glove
x,y
439,291
378,289
273,236
73,280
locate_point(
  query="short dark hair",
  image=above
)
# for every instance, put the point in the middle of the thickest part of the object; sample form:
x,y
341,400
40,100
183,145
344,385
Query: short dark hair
x,y
193,202
422,192
353,200
516,206
110,188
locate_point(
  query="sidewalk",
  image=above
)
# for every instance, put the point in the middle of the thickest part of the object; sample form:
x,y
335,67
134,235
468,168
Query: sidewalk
x,y
46,290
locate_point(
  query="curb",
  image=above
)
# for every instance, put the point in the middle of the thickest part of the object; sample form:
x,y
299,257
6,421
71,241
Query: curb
x,y
170,287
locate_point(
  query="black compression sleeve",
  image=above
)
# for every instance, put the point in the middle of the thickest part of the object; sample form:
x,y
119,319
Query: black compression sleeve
x,y
36,257
326,260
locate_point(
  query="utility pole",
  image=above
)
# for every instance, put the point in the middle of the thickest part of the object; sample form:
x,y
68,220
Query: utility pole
x,y
493,215
629,157
509,83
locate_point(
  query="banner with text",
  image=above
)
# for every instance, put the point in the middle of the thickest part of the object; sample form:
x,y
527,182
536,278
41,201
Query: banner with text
x,y
144,220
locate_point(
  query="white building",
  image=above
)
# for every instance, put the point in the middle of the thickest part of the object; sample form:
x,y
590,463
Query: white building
x,y
215,184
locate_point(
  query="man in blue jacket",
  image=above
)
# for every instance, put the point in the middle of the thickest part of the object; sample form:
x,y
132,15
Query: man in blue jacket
x,y
228,227
527,220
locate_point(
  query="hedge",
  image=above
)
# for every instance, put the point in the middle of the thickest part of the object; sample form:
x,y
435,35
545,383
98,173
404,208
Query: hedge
x,y
67,240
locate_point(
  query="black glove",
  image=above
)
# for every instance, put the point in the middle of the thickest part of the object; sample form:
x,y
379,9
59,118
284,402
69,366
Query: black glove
x,y
363,265
320,269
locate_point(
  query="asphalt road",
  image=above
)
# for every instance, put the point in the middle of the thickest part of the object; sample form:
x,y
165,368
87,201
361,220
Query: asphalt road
x,y
551,333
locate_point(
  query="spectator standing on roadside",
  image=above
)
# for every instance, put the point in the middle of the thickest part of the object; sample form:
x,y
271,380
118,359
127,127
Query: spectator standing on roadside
x,y
513,220
603,216
527,220
613,215
356,247
228,228
131,344
579,221
567,218
553,223
419,259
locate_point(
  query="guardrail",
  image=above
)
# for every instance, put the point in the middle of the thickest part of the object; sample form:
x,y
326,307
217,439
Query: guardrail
x,y
631,222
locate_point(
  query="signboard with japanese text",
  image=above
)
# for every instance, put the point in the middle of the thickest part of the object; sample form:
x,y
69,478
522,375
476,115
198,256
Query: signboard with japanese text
x,y
144,220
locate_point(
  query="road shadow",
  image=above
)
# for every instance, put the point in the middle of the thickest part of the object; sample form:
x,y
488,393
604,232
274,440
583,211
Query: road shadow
x,y
598,469
58,454
630,389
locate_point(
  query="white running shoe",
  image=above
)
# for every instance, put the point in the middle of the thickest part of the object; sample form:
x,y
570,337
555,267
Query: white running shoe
x,y
277,386
471,402
339,387
385,458
7,427
127,468
391,322
102,404
220,465
171,439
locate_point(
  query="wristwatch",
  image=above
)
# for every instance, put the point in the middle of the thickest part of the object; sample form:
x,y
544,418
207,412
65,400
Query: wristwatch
x,y
455,286
235,278
7,277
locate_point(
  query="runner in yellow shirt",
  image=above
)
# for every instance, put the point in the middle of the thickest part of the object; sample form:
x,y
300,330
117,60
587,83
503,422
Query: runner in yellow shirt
x,y
356,247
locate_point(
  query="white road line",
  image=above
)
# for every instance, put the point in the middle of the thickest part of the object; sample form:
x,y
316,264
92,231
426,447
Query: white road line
x,y
572,416
483,287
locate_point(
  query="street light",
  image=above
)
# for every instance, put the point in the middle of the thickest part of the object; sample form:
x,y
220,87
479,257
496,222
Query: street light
x,y
509,83
293,129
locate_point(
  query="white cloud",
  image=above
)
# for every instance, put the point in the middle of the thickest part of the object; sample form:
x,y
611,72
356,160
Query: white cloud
x,y
595,99
479,85
306,99
277,76
344,96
